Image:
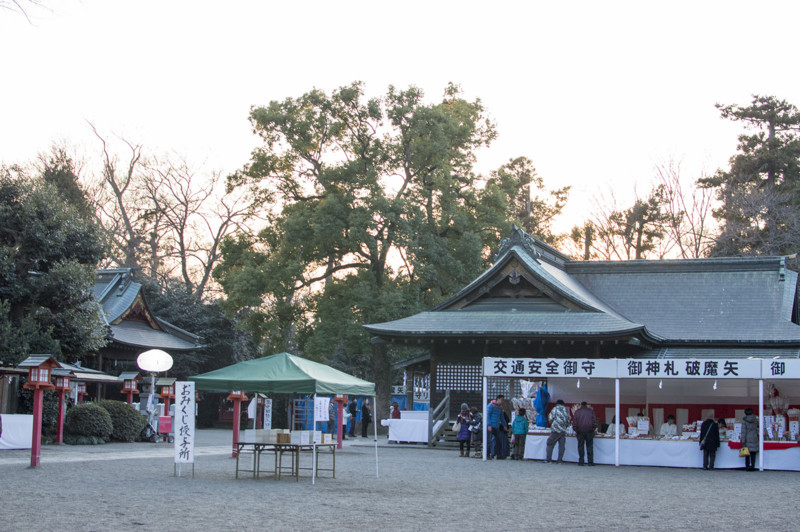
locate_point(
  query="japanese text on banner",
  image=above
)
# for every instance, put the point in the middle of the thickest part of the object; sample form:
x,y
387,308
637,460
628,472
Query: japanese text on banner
x,y
550,367
184,422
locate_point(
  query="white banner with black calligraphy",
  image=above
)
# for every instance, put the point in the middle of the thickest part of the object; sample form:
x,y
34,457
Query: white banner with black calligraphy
x,y
689,368
780,368
321,409
533,368
184,422
267,414
636,368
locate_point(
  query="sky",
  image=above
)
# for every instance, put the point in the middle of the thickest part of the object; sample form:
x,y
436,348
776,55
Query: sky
x,y
594,93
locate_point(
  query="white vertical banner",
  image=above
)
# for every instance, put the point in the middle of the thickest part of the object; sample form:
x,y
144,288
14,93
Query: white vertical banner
x,y
267,414
184,422
321,405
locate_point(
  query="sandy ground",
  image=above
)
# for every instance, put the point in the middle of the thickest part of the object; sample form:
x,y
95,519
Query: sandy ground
x,y
132,487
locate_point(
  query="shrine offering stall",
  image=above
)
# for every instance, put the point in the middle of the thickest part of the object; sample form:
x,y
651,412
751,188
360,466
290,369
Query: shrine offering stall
x,y
692,389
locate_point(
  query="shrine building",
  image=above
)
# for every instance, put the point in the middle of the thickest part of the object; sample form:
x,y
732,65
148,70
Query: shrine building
x,y
536,302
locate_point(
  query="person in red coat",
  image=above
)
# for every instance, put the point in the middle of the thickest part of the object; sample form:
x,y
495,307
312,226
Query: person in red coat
x,y
585,422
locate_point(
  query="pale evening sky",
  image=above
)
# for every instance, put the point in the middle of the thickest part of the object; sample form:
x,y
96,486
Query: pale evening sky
x,y
595,93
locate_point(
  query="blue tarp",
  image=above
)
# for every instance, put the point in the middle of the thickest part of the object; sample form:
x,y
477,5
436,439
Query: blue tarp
x,y
540,404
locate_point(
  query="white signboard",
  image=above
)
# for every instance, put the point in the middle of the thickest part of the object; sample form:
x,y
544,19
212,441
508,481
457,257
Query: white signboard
x,y
780,368
550,367
184,422
321,405
636,368
267,413
689,368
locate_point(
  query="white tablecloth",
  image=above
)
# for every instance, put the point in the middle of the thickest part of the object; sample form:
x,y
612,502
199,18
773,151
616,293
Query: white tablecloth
x,y
17,431
661,453
414,414
411,430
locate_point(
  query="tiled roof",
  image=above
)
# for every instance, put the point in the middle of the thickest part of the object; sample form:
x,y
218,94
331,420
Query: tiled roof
x,y
116,291
719,300
723,301
140,334
464,323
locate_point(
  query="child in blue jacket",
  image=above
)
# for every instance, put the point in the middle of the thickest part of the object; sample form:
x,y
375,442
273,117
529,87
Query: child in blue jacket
x,y
519,430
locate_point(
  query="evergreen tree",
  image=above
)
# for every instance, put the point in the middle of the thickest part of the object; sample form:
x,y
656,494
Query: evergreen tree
x,y
760,206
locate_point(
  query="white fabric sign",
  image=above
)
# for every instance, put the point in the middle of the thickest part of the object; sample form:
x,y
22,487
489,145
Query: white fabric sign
x,y
267,413
184,422
780,368
549,367
637,368
689,368
321,405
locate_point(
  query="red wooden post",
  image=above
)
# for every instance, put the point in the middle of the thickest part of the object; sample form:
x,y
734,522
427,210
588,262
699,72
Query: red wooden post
x,y
60,433
39,371
237,398
341,399
259,412
81,392
36,442
62,386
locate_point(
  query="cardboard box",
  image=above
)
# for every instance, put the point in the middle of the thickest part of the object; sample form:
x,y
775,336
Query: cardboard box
x,y
283,438
328,438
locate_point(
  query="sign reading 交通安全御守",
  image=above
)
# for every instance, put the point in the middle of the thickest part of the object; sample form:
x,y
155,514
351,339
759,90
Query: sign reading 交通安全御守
x,y
184,422
636,368
550,367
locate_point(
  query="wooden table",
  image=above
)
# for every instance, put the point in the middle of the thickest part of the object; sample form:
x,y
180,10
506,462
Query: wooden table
x,y
256,449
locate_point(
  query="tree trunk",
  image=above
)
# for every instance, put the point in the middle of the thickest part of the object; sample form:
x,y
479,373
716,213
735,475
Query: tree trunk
x,y
381,371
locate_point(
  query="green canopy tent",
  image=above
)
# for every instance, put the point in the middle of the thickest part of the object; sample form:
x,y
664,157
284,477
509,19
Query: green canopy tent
x,y
285,373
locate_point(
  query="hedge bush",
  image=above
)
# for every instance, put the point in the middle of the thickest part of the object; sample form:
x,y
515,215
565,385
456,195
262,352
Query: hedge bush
x,y
89,420
126,420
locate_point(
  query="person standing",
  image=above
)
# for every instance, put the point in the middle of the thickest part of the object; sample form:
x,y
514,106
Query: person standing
x,y
352,409
476,428
343,422
496,428
464,433
519,431
585,422
559,423
366,418
332,417
750,438
709,442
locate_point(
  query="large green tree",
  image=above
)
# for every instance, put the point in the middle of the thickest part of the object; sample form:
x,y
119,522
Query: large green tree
x,y
48,253
374,212
759,208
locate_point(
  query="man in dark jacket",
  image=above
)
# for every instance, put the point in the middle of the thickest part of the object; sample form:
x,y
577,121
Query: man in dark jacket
x,y
584,422
366,418
353,409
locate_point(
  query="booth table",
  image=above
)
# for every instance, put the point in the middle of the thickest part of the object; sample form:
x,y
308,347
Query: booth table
x,y
295,451
407,430
668,453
